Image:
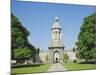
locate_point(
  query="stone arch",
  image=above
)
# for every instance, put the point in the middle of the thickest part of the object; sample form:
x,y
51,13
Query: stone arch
x,y
56,57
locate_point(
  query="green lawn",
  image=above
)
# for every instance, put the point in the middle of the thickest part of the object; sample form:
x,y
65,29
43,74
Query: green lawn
x,y
75,66
28,70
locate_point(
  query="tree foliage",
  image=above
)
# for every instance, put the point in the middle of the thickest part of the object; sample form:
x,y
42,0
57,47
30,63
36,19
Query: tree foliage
x,y
19,34
87,39
21,48
66,57
22,53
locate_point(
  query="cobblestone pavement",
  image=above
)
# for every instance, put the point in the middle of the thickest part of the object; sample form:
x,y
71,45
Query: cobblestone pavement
x,y
56,67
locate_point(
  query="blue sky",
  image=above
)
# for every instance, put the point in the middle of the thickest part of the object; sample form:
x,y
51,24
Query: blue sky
x,y
39,17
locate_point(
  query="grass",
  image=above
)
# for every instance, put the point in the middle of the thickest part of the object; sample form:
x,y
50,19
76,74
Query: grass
x,y
29,70
76,66
44,67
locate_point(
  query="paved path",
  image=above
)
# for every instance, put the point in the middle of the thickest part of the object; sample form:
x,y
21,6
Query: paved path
x,y
56,67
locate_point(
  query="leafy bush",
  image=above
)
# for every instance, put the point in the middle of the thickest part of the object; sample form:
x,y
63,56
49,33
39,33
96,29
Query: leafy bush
x,y
66,57
74,61
25,65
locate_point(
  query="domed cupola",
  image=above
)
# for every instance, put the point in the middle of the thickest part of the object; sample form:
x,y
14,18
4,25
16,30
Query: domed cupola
x,y
56,23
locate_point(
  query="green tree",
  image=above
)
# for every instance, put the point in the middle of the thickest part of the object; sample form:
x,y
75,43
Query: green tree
x,y
66,57
86,45
21,48
22,54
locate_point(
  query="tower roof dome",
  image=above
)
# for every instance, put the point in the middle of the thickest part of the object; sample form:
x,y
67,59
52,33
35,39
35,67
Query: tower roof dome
x,y
56,23
56,19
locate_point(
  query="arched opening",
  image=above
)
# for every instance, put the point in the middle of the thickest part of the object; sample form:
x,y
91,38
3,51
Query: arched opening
x,y
56,57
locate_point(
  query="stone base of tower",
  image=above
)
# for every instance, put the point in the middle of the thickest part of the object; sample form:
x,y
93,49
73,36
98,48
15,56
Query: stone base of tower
x,y
56,54
61,61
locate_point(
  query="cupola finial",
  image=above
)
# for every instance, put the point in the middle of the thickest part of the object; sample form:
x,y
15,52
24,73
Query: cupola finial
x,y
56,18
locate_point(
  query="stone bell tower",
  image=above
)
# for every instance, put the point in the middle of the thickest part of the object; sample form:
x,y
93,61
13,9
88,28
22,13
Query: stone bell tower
x,y
56,47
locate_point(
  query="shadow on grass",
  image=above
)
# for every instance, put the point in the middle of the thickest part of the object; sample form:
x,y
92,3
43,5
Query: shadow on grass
x,y
25,65
89,62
